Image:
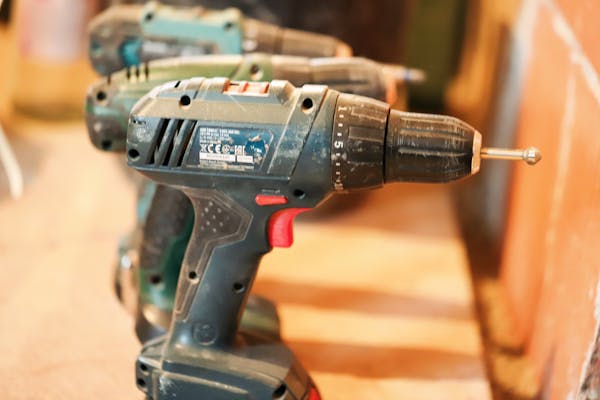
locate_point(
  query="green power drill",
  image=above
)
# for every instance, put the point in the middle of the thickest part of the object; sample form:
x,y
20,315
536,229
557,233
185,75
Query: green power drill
x,y
127,35
110,100
251,156
154,251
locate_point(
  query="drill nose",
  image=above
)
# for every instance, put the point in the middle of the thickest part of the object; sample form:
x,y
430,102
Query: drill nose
x,y
104,129
429,148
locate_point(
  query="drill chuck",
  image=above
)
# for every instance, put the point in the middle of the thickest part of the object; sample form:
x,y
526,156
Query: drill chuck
x,y
373,145
263,37
429,148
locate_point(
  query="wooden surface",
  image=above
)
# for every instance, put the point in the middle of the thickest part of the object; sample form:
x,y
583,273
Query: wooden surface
x,y
375,300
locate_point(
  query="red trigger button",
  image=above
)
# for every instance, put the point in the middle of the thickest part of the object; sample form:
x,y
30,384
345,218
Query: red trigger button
x,y
281,232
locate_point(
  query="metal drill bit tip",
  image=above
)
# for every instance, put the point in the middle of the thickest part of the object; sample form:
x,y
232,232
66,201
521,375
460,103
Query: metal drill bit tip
x,y
530,155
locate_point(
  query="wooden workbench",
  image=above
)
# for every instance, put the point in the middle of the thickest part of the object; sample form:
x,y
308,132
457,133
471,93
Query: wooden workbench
x,y
375,301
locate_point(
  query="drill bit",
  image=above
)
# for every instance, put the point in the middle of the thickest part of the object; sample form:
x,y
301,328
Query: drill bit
x,y
530,155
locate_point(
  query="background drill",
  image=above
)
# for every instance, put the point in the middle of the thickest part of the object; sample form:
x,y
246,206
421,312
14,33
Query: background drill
x,y
126,35
110,100
251,156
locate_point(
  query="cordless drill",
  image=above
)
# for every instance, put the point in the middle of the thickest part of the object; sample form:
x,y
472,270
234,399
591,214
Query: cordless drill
x,y
154,251
127,35
251,156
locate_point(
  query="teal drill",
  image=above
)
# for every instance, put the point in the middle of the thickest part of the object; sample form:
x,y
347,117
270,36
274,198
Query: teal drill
x,y
127,35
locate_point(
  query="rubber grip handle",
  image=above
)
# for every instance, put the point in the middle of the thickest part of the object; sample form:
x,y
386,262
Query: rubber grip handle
x,y
168,218
218,270
165,235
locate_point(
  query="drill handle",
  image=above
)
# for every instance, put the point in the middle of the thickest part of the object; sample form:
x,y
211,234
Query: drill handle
x,y
166,229
221,261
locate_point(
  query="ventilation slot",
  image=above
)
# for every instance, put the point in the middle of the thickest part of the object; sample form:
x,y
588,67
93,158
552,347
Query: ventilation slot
x,y
169,154
181,143
161,128
165,147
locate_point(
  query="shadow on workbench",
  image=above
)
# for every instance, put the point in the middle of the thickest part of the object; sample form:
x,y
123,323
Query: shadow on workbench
x,y
395,208
361,300
386,361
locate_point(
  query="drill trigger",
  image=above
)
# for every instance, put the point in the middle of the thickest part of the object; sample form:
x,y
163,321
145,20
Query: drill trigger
x,y
314,394
281,230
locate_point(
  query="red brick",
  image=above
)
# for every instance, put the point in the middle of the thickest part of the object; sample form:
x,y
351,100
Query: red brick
x,y
582,17
572,269
551,267
539,124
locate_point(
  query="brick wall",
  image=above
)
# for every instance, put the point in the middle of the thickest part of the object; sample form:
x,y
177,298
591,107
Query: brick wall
x,y
550,265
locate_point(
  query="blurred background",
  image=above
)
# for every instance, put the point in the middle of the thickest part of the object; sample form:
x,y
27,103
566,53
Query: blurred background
x,y
521,72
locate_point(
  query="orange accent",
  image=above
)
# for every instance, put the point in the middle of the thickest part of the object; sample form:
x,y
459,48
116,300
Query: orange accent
x,y
236,87
270,200
281,230
258,88
247,88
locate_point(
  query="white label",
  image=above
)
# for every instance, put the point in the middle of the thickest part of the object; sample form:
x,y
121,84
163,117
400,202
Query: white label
x,y
245,159
229,148
217,157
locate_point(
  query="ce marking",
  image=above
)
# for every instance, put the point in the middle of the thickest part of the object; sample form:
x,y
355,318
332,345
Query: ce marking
x,y
211,148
